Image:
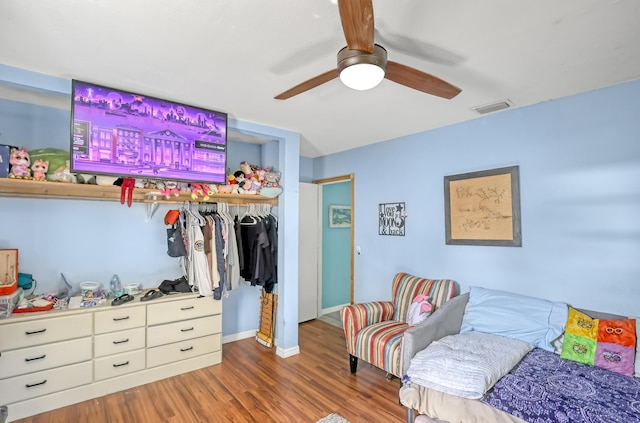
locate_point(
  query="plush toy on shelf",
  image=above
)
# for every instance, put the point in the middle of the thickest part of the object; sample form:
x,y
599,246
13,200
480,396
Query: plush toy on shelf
x,y
271,180
245,168
40,169
204,190
248,186
170,187
63,174
196,191
20,162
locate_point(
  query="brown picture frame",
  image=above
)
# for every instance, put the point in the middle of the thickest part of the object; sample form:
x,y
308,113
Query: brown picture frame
x,y
483,208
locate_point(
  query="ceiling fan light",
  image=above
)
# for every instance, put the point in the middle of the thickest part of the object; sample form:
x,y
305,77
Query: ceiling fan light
x,y
361,70
362,76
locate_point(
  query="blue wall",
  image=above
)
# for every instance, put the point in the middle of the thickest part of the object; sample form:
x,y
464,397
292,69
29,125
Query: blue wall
x,y
306,169
579,160
336,249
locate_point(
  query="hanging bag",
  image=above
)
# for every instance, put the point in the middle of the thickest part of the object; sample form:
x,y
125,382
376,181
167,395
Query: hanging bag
x,y
175,241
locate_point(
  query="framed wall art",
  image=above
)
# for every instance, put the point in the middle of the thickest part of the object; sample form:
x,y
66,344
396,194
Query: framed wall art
x,y
392,218
339,216
483,208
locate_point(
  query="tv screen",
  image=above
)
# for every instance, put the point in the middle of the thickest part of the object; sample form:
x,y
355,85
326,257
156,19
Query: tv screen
x,y
121,133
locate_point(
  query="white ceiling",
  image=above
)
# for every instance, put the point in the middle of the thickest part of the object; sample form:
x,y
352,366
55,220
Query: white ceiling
x,y
235,56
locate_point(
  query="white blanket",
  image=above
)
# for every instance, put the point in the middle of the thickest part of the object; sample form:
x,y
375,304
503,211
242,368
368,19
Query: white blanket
x,y
466,364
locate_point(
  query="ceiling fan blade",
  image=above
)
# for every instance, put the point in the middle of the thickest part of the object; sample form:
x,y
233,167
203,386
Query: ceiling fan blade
x,y
357,23
308,84
418,80
417,48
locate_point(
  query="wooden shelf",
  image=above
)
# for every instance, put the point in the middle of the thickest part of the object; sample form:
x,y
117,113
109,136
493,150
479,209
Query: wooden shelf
x,y
60,190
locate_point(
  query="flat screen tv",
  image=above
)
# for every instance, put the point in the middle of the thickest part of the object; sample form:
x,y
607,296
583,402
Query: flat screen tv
x,y
121,133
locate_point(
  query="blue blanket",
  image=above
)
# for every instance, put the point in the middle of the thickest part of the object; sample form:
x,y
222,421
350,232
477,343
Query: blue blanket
x,y
544,388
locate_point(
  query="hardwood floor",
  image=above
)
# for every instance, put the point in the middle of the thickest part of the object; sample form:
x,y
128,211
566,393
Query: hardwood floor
x,y
253,384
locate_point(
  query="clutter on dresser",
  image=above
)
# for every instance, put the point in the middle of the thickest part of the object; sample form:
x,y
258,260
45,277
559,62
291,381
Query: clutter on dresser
x,y
8,271
9,302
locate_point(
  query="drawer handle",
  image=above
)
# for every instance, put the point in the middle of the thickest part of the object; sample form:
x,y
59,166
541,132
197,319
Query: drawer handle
x,y
186,308
35,358
186,349
186,330
121,342
36,331
117,319
121,364
36,384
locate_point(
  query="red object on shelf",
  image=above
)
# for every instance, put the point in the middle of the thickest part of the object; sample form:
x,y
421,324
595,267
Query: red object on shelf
x,y
32,309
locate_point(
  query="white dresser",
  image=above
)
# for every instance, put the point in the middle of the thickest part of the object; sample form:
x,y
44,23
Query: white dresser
x,y
57,358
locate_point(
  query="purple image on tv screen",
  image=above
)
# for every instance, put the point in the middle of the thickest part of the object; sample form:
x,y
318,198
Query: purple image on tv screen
x,y
116,132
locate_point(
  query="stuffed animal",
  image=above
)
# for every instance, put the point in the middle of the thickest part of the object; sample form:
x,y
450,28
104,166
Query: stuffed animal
x,y
246,187
245,168
63,174
206,191
196,191
55,156
20,162
419,310
260,173
40,169
170,187
271,180
183,187
239,176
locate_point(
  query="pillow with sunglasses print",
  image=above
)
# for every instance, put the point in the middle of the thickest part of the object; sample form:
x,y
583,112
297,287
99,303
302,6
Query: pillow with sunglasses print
x,y
609,344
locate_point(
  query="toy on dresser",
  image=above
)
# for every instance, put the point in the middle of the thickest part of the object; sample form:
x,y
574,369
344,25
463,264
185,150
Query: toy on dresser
x,y
20,161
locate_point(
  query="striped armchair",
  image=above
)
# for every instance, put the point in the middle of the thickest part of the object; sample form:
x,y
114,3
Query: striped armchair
x,y
374,330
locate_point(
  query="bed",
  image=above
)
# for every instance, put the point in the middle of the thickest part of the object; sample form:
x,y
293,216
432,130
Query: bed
x,y
541,387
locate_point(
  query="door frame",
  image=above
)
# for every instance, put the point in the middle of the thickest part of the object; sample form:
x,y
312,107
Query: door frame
x,y
352,178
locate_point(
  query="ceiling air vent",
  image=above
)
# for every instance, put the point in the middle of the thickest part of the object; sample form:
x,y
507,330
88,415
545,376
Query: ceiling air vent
x,y
493,107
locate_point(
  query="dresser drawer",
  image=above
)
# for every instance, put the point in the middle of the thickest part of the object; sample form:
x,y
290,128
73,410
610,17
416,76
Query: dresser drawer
x,y
42,357
186,329
20,388
190,308
118,365
119,319
118,342
165,354
44,331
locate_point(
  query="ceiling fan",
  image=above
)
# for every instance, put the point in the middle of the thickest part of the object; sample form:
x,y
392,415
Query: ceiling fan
x,y
362,64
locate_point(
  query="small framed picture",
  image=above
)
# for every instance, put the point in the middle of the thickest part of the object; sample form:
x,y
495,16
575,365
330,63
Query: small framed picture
x,y
339,216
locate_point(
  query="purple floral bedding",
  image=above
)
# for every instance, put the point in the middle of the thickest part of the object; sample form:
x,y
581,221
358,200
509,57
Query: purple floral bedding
x,y
544,388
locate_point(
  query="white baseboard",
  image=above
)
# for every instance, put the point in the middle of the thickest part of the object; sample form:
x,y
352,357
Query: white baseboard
x,y
333,309
289,352
281,352
239,336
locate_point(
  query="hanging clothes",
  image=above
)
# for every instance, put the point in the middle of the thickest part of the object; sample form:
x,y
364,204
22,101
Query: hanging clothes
x,y
233,259
198,273
219,257
257,252
208,230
